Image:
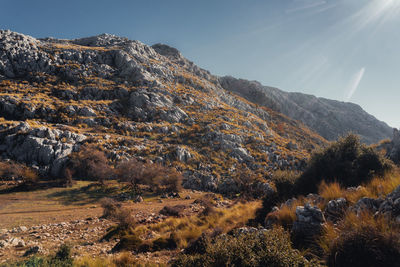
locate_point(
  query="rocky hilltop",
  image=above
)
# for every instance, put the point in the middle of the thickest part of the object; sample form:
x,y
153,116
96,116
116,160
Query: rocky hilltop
x,y
135,100
329,118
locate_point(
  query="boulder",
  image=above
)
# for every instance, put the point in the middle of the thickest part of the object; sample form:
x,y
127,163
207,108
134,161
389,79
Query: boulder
x,y
182,154
391,205
367,204
335,209
308,224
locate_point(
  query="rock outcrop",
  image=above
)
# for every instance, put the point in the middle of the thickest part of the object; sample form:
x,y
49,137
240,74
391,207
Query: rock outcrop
x,y
44,148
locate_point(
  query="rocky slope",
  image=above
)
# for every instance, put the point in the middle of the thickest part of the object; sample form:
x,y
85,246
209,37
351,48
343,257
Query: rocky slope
x,y
134,100
330,118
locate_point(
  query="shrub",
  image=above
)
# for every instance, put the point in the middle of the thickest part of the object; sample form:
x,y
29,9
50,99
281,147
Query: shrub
x,y
284,182
175,211
246,182
133,172
13,170
125,259
128,243
63,253
110,207
270,248
157,177
365,247
268,202
124,218
165,243
346,161
90,163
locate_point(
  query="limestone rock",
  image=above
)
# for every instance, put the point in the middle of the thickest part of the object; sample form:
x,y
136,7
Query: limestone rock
x,y
40,146
308,224
335,209
367,204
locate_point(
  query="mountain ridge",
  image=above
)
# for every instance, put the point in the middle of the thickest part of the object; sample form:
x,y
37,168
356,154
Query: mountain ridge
x,y
330,118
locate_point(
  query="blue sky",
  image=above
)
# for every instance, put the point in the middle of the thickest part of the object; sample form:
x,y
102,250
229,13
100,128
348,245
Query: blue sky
x,y
347,50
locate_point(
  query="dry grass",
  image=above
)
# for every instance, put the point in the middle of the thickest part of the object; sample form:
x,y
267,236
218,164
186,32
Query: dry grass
x,y
353,222
189,228
286,215
376,188
330,191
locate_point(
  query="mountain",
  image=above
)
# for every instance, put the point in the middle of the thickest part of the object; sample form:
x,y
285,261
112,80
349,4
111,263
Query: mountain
x,y
329,118
134,100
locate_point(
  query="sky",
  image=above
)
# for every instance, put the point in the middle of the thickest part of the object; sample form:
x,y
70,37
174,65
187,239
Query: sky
x,y
347,50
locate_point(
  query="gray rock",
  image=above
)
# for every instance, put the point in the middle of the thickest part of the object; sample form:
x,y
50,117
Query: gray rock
x,y
42,146
335,209
242,155
182,154
391,205
308,224
367,204
87,112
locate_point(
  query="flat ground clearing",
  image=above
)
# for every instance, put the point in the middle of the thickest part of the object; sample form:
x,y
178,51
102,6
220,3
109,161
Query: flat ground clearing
x,y
55,205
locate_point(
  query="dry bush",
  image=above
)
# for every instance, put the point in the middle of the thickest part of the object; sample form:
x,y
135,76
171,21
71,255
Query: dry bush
x,y
284,181
175,211
157,177
125,259
124,218
132,172
114,211
286,215
90,163
246,182
110,207
13,170
361,240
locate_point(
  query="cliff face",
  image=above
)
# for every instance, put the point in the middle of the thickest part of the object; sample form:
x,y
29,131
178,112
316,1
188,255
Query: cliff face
x,y
135,100
329,118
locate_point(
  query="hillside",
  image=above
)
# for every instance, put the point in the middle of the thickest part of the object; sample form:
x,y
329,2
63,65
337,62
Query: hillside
x,y
135,100
329,118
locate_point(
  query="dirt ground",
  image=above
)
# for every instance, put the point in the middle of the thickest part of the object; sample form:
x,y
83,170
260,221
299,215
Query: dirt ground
x,y
47,218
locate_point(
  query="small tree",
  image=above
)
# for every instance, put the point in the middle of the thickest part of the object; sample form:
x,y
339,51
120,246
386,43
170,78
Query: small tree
x,y
132,172
157,177
90,163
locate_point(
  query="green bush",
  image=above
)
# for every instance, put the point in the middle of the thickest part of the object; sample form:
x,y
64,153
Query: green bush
x,y
284,183
128,243
62,258
366,247
346,161
271,248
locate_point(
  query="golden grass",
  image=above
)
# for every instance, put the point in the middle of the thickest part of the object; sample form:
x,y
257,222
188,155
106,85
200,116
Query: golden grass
x,y
286,215
187,229
330,191
355,222
377,188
